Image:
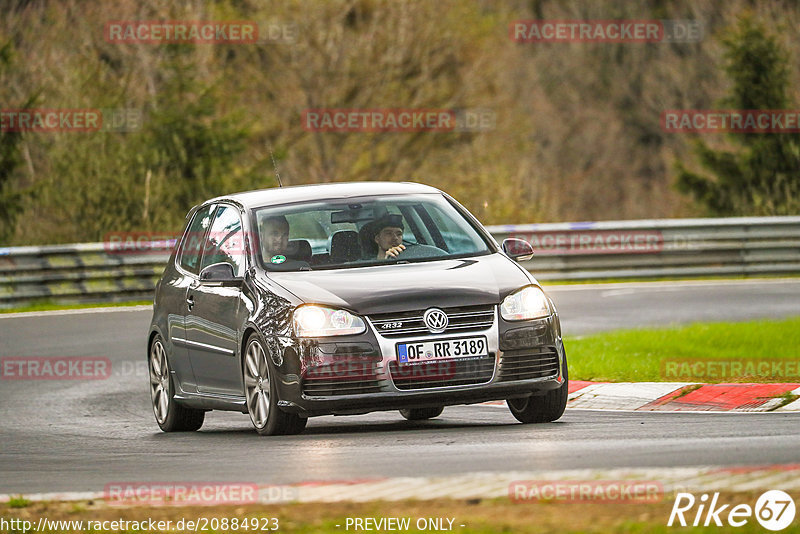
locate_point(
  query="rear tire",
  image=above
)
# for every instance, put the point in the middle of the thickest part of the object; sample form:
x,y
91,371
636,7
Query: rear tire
x,y
170,416
261,393
419,414
542,408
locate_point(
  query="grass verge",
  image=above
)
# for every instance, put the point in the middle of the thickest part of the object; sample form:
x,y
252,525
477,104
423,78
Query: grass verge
x,y
49,306
546,283
702,352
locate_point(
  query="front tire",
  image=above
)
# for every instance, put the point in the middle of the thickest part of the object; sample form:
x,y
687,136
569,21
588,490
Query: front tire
x,y
419,414
170,416
261,394
542,408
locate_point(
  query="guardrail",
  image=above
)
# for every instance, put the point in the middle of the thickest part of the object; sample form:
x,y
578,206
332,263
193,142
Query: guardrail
x,y
77,273
665,248
661,248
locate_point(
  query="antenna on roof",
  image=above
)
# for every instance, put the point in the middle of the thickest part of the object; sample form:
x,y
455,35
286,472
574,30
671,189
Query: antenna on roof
x,y
278,176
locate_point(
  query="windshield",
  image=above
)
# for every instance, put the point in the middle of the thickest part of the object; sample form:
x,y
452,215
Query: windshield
x,y
364,231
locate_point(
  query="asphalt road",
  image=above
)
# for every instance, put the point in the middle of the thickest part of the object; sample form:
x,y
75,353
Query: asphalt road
x,y
81,435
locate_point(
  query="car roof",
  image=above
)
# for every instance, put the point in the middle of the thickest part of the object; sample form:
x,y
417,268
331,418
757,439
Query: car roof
x,y
301,193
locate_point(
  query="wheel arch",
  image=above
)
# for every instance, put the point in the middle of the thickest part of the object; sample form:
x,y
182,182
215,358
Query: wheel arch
x,y
154,331
248,331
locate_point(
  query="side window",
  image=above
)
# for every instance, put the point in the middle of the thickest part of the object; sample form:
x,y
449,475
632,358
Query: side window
x,y
225,241
192,242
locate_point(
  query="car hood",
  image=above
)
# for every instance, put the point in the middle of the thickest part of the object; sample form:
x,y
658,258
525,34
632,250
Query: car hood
x,y
391,288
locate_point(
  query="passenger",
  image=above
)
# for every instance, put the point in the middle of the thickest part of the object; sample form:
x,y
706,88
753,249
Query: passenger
x,y
275,245
274,236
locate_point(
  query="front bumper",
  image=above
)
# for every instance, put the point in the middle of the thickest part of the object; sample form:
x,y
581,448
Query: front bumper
x,y
360,374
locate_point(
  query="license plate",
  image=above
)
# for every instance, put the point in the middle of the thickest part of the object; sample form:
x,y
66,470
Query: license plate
x,y
446,349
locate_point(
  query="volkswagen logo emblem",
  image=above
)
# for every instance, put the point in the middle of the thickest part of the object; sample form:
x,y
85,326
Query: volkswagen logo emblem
x,y
436,320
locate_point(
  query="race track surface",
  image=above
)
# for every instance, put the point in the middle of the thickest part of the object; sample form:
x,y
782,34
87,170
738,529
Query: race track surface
x,y
82,435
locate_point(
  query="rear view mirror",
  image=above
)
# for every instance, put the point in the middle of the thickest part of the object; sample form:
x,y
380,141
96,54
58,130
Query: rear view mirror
x,y
355,213
517,249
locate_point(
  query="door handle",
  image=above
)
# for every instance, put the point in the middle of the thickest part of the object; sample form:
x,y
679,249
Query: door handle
x,y
190,301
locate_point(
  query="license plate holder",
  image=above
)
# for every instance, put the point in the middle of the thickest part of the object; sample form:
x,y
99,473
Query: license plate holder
x,y
420,352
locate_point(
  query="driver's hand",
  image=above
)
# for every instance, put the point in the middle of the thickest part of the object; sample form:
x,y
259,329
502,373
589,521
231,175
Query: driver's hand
x,y
394,251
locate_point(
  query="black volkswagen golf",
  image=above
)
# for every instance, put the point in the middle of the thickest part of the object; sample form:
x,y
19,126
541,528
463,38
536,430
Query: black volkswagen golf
x,y
344,299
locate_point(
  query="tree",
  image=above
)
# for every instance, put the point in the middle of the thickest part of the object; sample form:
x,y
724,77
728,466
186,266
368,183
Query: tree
x,y
763,176
10,160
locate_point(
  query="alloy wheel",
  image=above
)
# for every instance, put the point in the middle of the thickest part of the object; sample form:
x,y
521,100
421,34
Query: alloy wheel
x,y
159,381
256,383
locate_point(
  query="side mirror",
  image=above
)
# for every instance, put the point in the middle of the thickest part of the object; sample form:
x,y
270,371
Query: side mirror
x,y
220,274
517,249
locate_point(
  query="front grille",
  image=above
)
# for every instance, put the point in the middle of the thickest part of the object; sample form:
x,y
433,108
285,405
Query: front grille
x,y
461,319
525,364
428,375
337,379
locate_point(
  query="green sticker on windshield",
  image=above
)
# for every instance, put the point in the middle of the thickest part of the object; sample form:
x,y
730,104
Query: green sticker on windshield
x,y
278,259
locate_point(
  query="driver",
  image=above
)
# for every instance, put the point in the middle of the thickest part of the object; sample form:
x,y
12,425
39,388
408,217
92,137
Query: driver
x,y
387,233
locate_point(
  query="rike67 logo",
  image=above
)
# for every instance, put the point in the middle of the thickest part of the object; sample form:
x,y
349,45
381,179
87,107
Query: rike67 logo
x,y
774,510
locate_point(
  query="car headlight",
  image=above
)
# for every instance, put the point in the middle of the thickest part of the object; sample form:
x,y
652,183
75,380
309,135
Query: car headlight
x,y
318,321
525,304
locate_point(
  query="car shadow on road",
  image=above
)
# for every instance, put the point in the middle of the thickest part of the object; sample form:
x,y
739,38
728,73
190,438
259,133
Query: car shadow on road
x,y
316,429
